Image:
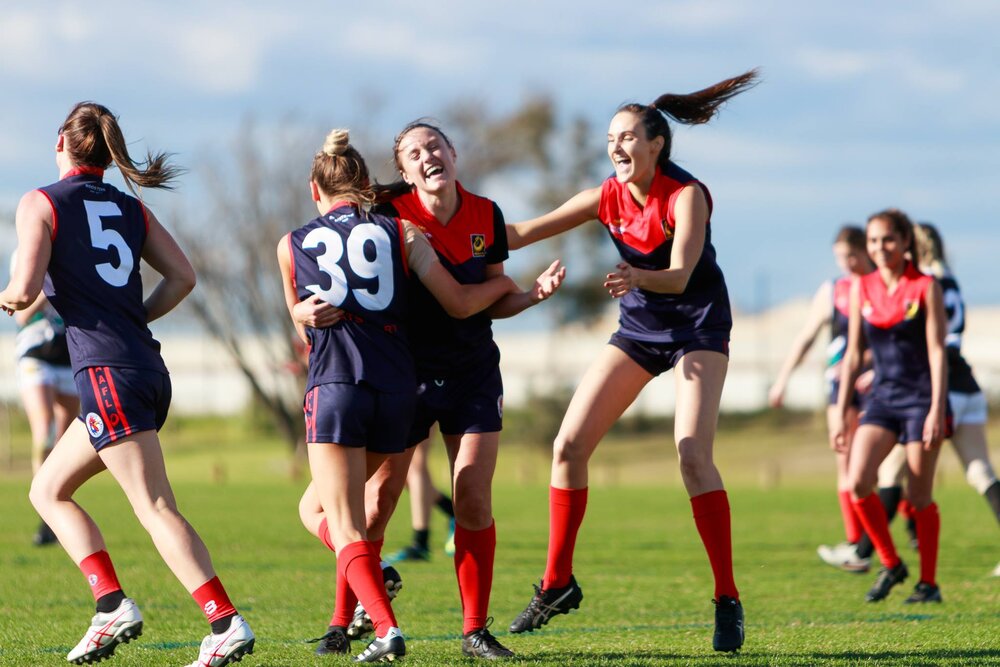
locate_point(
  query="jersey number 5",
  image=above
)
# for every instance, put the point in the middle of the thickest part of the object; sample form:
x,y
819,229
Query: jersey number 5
x,y
105,239
379,267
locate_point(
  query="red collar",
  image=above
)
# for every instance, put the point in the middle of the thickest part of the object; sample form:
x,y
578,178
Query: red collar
x,y
342,202
89,171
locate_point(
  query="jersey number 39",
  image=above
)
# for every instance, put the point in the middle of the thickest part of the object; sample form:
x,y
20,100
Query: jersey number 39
x,y
378,267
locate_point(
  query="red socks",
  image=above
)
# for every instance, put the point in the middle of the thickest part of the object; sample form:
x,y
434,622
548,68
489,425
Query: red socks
x,y
212,599
928,531
566,510
852,525
712,518
872,515
474,553
100,574
358,565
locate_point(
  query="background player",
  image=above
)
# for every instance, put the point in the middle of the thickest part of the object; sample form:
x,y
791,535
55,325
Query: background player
x,y
45,379
674,314
90,237
900,313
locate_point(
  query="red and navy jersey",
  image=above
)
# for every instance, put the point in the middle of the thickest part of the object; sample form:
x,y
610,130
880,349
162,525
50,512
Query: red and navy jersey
x,y
357,263
474,238
644,236
960,378
839,318
98,234
895,326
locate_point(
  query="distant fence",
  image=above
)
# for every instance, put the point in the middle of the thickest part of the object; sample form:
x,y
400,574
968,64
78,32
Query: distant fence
x,y
538,363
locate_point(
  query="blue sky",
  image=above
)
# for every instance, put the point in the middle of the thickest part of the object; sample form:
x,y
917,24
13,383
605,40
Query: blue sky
x,y
863,105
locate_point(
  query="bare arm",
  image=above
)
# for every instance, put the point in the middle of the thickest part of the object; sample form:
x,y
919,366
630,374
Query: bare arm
x,y
937,325
578,210
849,368
820,315
288,288
34,224
545,286
22,317
691,216
163,254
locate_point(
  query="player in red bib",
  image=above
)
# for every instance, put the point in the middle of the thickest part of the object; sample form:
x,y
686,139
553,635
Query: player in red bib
x,y
899,313
674,314
831,306
90,238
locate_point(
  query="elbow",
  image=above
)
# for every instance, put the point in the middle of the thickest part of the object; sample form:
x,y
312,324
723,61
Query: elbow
x,y
459,311
187,281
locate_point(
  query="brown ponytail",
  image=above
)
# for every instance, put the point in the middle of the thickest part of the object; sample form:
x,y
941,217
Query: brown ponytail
x,y
853,236
691,109
94,139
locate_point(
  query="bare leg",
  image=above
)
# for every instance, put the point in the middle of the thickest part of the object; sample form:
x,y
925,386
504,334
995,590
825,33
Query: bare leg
x,y
698,378
72,462
38,401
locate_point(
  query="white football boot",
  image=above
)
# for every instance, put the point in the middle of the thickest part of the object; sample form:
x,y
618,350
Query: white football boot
x,y
107,630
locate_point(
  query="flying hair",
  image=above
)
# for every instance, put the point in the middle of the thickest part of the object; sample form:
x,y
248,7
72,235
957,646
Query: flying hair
x,y
93,138
691,109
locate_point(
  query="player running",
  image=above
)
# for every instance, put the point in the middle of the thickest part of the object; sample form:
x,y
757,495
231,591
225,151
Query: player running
x,y
90,238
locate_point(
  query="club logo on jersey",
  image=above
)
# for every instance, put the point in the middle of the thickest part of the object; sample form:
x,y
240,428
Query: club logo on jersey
x,y
867,310
478,245
910,308
95,425
617,228
211,607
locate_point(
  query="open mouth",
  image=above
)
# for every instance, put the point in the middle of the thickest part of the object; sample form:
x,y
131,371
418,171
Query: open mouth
x,y
433,171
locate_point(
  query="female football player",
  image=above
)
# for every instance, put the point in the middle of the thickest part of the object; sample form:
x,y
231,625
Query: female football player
x,y
674,314
900,313
90,238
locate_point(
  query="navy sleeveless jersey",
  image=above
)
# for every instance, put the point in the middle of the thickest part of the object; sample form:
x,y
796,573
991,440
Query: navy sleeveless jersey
x,y
644,236
474,238
895,326
356,263
960,378
839,319
97,240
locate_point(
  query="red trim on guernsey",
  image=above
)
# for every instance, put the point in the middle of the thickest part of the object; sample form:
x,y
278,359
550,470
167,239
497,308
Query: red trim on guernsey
x,y
55,215
884,310
100,403
145,216
89,171
402,247
842,295
341,202
291,262
127,428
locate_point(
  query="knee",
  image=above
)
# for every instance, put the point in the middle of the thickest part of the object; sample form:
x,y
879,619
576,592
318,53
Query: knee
x,y
568,451
980,475
695,463
40,494
309,514
380,504
156,510
473,511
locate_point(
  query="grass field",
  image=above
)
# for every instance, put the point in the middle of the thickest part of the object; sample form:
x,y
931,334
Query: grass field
x,y
646,580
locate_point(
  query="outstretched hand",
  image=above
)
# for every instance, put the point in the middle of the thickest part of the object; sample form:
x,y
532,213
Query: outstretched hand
x,y
316,313
622,281
548,282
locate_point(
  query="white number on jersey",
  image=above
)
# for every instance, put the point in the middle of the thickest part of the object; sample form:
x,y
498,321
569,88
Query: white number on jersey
x,y
103,239
379,267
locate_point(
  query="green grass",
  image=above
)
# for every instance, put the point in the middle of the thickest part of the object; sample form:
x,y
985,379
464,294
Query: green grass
x,y
645,577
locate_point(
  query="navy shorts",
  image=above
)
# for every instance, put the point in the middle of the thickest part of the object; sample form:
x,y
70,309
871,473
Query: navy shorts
x,y
657,358
468,403
118,402
908,425
358,415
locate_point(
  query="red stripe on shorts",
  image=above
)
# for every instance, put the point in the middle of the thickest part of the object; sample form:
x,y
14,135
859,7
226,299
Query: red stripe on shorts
x,y
100,402
127,428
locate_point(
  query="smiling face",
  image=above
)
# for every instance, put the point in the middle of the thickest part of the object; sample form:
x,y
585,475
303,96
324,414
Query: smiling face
x,y
632,153
886,245
426,161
